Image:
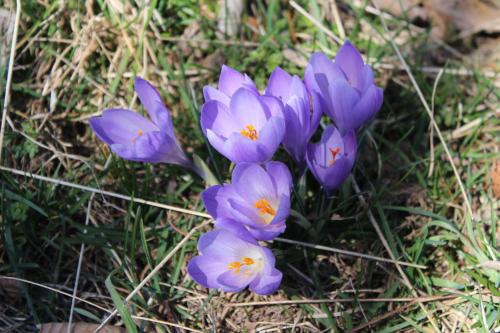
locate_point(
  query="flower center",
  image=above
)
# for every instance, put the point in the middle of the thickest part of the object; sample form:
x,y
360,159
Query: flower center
x,y
250,132
139,134
265,209
335,151
236,266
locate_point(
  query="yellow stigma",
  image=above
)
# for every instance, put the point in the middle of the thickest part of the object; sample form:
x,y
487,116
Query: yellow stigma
x,y
250,132
335,152
265,207
139,134
236,265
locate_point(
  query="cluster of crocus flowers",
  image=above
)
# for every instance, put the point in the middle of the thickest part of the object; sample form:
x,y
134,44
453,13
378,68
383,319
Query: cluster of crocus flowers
x,y
247,127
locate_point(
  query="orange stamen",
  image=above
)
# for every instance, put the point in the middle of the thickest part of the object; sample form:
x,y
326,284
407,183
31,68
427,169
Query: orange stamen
x,y
250,132
236,265
265,207
335,152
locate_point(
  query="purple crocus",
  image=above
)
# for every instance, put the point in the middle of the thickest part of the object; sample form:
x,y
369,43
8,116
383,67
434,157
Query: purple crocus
x,y
136,138
258,199
300,122
331,160
246,127
230,80
232,261
346,86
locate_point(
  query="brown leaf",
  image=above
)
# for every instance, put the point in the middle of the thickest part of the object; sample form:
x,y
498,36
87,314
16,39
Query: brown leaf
x,y
467,16
11,289
78,328
495,179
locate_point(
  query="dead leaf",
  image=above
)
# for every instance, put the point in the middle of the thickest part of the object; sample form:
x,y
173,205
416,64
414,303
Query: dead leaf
x,y
495,179
78,328
411,8
466,16
11,289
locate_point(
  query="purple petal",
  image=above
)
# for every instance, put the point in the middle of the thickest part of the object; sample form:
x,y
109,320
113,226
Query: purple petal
x,y
278,84
298,89
281,177
222,245
268,232
234,282
350,146
231,80
343,99
366,79
213,94
120,126
294,140
215,116
153,104
253,182
247,109
237,229
317,112
238,148
271,136
205,271
274,106
351,62
320,72
151,147
267,284
367,107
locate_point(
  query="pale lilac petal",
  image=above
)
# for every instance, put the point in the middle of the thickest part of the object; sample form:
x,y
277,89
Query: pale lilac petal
x,y
153,104
274,106
271,136
234,282
297,89
237,229
222,245
280,176
253,182
238,148
268,232
216,141
351,62
278,84
205,271
247,109
216,117
213,94
231,80
267,284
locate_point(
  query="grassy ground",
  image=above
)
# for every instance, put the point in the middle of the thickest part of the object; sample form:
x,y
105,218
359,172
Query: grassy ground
x,y
73,61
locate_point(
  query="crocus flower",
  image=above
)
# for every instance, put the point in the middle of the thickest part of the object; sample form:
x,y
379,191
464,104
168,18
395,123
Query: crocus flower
x,y
300,122
230,80
136,138
331,160
248,128
258,199
232,261
346,87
